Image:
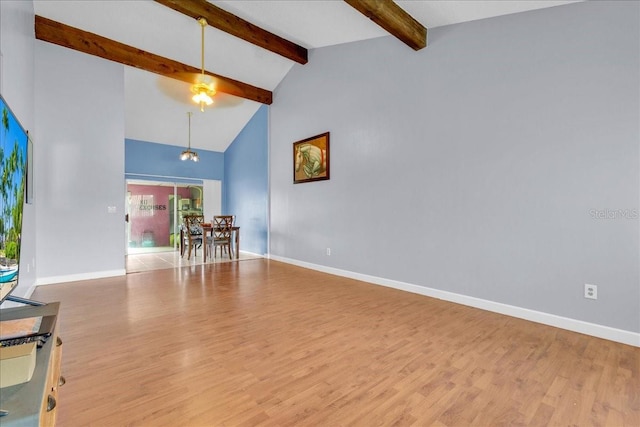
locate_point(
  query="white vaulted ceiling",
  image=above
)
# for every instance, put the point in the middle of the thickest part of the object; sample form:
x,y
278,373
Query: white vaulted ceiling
x,y
156,106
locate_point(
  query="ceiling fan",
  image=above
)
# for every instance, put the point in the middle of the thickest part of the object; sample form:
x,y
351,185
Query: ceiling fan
x,y
180,92
202,88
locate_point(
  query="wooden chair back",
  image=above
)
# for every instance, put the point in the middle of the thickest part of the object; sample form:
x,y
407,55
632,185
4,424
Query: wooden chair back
x,y
229,219
222,230
193,223
191,233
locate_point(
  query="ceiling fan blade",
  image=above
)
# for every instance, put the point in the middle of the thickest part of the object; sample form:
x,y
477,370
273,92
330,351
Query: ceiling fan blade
x,y
180,91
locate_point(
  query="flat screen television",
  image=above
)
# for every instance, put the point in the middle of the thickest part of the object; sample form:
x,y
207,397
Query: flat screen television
x,y
14,142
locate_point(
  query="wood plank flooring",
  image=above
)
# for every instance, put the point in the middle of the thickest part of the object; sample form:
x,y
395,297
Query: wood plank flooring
x,y
262,343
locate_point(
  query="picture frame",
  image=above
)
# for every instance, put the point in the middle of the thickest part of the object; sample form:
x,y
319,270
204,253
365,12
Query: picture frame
x,y
311,160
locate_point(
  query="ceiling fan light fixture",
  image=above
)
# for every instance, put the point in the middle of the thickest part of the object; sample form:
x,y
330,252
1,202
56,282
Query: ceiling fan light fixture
x,y
203,94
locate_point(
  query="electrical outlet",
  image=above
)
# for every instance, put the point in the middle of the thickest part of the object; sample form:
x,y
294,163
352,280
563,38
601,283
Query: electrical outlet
x,y
590,291
328,251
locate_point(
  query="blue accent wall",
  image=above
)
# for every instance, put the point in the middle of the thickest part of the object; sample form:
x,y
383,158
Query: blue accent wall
x,y
150,158
246,180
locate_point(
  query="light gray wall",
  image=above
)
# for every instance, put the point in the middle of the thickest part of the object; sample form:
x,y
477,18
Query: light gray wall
x,y
478,165
16,86
80,163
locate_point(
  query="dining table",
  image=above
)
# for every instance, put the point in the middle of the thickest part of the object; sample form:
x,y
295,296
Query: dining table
x,y
208,229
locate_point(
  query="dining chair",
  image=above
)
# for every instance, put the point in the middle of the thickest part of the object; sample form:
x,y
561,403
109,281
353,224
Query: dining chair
x,y
191,234
221,235
231,219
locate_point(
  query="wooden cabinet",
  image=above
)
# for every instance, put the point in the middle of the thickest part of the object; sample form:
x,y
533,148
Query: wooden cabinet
x,y
35,403
48,410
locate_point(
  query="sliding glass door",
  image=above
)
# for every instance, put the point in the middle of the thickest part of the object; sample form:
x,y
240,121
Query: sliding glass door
x,y
155,210
156,207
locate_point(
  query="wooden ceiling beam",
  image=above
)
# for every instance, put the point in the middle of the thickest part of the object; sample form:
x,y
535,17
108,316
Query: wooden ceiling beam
x,y
394,19
230,23
93,44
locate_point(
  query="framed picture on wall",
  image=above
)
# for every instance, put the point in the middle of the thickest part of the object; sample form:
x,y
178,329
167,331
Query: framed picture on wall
x,y
311,159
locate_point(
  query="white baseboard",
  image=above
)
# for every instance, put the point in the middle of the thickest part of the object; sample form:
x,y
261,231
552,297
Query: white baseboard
x,y
599,331
253,254
51,280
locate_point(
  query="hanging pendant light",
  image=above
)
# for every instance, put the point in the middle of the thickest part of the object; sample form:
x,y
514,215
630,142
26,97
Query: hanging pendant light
x,y
188,154
203,90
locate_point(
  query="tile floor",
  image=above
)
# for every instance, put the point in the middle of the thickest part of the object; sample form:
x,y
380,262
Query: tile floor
x,y
137,262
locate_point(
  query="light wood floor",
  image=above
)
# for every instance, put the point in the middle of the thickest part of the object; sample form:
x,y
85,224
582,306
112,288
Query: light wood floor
x,y
260,342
